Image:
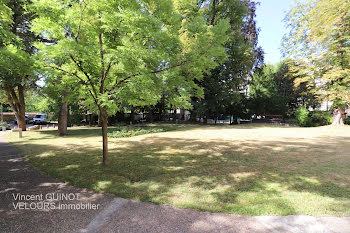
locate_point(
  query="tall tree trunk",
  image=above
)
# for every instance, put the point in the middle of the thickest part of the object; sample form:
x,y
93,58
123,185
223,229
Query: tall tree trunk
x,y
182,114
150,114
63,116
22,109
104,122
69,118
17,104
132,115
90,120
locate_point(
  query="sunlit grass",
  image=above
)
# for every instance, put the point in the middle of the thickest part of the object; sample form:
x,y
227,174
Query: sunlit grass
x,y
246,169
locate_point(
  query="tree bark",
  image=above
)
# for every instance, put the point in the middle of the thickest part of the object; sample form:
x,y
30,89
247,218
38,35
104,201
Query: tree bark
x,y
150,114
18,105
104,122
99,120
338,116
22,109
132,115
63,116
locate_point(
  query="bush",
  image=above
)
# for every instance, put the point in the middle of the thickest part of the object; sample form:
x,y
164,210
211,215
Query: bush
x,y
5,124
302,116
131,131
319,118
292,121
347,121
315,118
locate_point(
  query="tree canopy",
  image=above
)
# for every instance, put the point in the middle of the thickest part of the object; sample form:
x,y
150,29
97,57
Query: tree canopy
x,y
16,50
319,41
128,51
225,87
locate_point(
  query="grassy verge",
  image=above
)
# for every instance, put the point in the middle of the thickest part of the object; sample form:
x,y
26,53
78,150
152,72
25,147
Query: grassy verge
x,y
248,169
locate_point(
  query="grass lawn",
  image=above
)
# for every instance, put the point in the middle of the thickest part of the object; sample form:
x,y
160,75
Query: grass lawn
x,y
247,169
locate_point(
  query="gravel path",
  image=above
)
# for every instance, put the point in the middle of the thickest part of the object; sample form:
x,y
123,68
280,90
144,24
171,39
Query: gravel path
x,y
45,210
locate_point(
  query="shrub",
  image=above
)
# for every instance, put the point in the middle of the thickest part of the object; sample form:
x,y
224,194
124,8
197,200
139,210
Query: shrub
x,y
292,121
131,131
302,116
319,118
347,121
4,124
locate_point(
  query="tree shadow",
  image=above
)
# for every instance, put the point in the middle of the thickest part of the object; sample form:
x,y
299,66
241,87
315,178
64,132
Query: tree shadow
x,y
252,178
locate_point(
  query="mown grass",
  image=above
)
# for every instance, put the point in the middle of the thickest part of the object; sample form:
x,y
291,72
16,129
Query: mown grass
x,y
247,169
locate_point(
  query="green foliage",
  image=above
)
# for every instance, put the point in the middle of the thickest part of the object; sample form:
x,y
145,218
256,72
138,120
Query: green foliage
x,y
15,64
130,131
338,103
4,124
319,118
223,86
5,20
16,49
77,113
272,90
129,51
320,43
347,121
36,102
292,121
302,116
311,119
264,93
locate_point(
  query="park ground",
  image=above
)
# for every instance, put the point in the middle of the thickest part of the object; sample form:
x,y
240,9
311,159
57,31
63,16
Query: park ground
x,y
246,169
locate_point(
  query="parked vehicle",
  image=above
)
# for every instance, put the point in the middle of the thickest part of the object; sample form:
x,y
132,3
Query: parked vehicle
x,y
39,119
27,120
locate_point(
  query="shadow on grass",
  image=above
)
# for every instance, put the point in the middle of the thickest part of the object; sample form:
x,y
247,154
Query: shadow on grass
x,y
269,177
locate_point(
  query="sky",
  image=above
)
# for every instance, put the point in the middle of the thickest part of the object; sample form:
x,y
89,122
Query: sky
x,y
270,15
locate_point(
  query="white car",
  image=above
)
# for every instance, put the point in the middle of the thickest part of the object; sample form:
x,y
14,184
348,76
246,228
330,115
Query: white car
x,y
40,119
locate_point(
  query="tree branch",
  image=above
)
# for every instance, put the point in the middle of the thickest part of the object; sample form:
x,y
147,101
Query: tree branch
x,y
109,68
153,72
70,73
80,19
87,76
103,74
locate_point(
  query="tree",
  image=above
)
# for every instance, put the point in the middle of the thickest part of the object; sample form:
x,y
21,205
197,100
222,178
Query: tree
x,y
16,49
319,41
224,88
5,21
15,74
62,91
264,96
126,51
273,90
291,95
